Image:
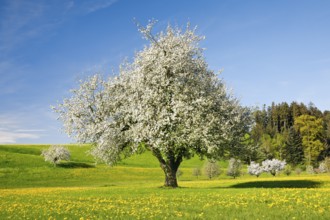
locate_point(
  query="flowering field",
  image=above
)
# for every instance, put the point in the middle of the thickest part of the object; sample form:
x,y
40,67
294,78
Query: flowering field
x,y
194,200
32,189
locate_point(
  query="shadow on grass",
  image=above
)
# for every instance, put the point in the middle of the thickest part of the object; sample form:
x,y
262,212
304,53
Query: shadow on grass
x,y
109,185
75,165
279,184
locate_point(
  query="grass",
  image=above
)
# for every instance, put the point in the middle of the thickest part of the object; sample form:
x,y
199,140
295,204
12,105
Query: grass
x,y
80,189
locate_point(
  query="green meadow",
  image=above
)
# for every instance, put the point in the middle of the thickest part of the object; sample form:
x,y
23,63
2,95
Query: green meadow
x,y
30,188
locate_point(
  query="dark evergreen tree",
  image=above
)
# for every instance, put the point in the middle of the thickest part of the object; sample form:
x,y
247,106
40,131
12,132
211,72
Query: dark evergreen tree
x,y
314,111
293,150
326,120
326,135
250,150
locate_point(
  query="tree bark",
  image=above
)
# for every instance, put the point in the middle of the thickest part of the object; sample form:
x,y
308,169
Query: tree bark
x,y
170,177
170,166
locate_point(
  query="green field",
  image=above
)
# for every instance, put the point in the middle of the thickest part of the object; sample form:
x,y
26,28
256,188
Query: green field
x,y
80,189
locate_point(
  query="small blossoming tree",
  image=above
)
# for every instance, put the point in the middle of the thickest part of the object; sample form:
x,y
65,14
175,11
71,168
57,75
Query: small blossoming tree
x,y
255,169
166,100
212,169
54,154
273,166
325,165
234,168
196,172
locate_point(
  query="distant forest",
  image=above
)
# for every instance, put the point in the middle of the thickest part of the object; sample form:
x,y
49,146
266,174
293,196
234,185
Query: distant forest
x,y
293,132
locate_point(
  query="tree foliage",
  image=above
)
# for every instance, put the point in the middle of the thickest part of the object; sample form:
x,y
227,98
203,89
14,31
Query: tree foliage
x,y
293,150
255,169
234,168
196,172
324,166
166,100
54,154
310,129
287,170
277,135
273,166
212,169
248,150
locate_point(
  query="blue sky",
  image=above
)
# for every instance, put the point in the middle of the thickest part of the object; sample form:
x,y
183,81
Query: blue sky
x,y
268,50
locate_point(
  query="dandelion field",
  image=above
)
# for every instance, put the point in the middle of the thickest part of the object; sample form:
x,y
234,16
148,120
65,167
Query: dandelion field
x,y
133,191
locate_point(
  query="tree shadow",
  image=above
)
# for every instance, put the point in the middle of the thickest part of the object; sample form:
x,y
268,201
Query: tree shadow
x,y
75,165
109,185
279,184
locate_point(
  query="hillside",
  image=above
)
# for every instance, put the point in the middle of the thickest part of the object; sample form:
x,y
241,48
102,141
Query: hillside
x,y
23,166
30,188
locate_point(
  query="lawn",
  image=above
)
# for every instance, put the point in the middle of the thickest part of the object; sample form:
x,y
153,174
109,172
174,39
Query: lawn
x,y
32,189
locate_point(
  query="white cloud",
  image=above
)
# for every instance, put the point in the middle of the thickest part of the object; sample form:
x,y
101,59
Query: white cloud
x,y
92,6
21,124
7,121
12,137
30,130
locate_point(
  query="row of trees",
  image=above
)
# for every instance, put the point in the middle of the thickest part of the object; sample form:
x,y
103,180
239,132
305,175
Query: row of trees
x,y
235,168
212,169
296,133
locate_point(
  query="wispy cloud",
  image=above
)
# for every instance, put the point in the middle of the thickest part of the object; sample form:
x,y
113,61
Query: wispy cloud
x,y
35,123
22,124
30,130
18,21
92,6
22,20
12,137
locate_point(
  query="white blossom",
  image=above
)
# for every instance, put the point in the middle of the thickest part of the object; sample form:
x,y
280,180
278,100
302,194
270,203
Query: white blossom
x,y
255,169
323,168
55,154
167,99
234,168
273,166
212,169
325,165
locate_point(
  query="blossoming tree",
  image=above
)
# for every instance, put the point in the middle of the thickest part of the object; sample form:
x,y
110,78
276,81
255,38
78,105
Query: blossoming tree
x,y
234,168
273,166
255,169
166,101
54,154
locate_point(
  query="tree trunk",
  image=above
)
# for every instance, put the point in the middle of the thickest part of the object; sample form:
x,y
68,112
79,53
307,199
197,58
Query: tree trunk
x,y
169,165
170,177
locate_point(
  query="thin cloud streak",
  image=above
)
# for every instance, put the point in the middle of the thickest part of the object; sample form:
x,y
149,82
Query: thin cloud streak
x,y
30,130
16,22
15,126
22,21
93,6
12,137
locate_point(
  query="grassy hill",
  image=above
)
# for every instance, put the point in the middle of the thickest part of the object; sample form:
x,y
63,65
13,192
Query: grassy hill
x,y
31,188
23,166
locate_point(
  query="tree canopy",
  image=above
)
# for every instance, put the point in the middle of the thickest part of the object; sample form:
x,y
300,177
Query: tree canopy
x,y
311,130
296,132
166,100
